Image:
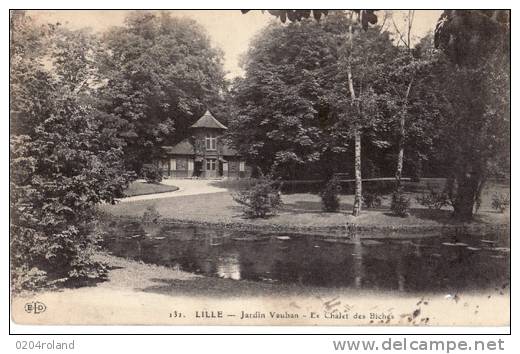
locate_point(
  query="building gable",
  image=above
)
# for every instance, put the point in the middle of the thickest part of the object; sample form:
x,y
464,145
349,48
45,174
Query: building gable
x,y
209,122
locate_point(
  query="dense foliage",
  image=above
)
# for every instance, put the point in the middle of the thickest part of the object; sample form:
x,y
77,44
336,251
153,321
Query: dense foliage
x,y
261,199
161,74
400,204
151,173
473,82
467,36
365,16
330,195
434,199
64,158
295,110
292,109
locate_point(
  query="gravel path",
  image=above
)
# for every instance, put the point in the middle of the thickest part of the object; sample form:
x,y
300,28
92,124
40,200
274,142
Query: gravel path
x,y
186,187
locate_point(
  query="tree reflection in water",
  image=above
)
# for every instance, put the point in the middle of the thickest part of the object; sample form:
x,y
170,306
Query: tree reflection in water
x,y
439,264
228,267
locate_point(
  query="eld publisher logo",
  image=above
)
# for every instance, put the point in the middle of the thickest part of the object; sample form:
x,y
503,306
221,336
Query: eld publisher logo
x,y
35,307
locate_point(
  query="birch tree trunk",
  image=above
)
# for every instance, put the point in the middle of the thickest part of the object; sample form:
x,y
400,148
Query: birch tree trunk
x,y
402,132
404,111
357,165
357,133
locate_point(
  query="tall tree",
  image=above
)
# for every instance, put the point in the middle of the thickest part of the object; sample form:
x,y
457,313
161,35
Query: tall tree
x,y
476,83
280,107
63,159
364,17
293,106
357,132
406,40
161,74
365,56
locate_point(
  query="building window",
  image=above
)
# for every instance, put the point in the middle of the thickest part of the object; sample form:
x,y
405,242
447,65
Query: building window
x,y
242,166
173,164
211,165
211,142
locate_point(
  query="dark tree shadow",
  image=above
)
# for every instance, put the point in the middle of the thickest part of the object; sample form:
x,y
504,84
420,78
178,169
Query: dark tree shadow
x,y
233,185
309,207
441,216
85,282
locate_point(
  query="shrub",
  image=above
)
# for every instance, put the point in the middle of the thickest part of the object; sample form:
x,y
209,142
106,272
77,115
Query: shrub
x,y
330,195
23,278
400,205
261,199
151,214
372,200
52,203
500,202
151,173
434,200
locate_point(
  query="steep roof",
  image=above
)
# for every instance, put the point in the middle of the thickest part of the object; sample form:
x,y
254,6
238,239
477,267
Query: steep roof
x,y
208,121
185,147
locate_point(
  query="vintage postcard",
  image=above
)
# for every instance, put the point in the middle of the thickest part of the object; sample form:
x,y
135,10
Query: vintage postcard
x,y
249,167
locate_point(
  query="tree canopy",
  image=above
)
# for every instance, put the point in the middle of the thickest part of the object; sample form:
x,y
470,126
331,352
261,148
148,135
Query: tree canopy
x,y
292,106
161,73
467,36
474,83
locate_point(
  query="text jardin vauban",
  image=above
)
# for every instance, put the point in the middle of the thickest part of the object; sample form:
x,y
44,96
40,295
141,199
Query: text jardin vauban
x,y
291,315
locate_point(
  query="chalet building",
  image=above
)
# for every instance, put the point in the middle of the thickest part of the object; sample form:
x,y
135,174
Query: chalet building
x,y
203,154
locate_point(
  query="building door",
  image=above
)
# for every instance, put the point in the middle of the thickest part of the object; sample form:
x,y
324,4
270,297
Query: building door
x,y
211,168
198,169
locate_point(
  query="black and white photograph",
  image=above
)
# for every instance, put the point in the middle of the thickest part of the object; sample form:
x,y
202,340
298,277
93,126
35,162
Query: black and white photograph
x,y
305,167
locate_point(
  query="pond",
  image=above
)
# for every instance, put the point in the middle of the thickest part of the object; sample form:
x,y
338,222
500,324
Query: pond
x,y
424,264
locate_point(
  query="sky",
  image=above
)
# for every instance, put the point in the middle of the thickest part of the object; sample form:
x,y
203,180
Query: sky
x,y
229,30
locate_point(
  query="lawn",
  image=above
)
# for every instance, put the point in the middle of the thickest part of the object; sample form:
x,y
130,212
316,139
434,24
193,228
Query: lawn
x,y
303,211
142,188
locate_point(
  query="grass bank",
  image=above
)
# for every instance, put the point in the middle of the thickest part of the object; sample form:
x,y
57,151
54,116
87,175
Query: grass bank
x,y
144,188
302,212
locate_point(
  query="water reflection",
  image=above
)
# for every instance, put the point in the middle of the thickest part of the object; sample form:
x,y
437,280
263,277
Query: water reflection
x,y
422,264
228,267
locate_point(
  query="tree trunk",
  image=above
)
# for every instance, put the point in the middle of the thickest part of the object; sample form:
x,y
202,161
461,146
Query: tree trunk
x,y
357,165
402,132
400,155
357,133
402,118
467,194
